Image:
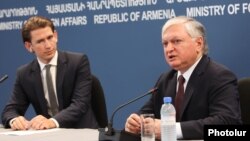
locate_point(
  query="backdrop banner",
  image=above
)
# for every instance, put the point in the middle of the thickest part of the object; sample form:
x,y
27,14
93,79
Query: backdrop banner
x,y
122,39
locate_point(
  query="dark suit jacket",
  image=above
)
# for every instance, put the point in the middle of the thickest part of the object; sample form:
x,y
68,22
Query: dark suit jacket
x,y
211,97
73,84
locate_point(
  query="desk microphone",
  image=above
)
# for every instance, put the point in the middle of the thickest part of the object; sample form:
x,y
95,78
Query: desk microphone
x,y
3,78
109,133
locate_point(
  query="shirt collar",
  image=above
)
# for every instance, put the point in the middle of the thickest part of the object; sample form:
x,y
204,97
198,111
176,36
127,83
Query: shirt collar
x,y
188,73
53,61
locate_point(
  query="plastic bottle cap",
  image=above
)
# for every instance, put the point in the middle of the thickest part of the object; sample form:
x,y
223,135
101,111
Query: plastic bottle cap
x,y
167,99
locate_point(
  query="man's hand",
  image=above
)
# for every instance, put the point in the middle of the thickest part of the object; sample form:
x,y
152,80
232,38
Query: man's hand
x,y
157,129
19,123
40,122
133,124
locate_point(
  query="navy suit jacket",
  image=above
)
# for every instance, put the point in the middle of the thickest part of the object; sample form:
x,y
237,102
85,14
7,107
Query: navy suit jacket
x,y
73,85
211,97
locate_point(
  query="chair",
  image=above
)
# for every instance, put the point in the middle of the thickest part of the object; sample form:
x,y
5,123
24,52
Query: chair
x,y
244,91
99,103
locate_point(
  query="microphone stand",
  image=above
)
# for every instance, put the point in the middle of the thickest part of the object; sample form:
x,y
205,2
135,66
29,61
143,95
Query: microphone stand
x,y
3,78
109,133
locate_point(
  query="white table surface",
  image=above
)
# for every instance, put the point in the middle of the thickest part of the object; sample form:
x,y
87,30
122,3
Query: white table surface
x,y
57,135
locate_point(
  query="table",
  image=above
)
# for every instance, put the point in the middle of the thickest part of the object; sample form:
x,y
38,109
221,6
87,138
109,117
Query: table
x,y
61,135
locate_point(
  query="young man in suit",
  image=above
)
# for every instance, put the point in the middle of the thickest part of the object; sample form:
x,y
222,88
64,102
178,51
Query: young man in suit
x,y
68,81
210,89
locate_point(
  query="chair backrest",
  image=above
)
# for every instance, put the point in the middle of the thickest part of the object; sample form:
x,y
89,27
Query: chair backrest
x,y
99,103
244,91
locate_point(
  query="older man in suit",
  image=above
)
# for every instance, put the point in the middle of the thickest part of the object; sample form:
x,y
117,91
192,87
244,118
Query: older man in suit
x,y
210,89
56,83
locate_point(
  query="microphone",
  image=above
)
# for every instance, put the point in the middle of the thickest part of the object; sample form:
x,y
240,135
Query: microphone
x,y
3,78
109,133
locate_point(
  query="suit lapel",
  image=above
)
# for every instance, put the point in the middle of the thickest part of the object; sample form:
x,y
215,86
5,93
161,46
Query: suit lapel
x,y
172,87
194,81
38,85
188,94
61,67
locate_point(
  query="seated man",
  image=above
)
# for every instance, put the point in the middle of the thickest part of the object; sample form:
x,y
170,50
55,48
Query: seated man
x,y
56,83
210,89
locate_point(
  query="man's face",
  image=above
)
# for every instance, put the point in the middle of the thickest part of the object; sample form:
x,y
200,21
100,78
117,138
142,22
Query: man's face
x,y
43,43
181,51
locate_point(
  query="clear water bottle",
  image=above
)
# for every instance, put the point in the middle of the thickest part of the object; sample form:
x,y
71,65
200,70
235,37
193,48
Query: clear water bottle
x,y
168,122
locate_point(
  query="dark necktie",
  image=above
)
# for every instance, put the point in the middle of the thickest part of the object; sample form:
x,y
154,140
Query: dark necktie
x,y
51,92
179,97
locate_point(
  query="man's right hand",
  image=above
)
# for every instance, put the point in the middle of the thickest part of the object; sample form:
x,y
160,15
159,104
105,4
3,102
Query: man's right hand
x,y
19,123
133,124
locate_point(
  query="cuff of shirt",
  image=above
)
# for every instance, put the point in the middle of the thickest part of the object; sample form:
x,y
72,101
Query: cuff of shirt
x,y
54,120
178,131
11,121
